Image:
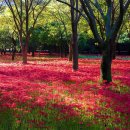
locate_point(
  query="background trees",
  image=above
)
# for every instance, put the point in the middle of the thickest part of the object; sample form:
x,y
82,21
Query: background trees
x,y
105,19
25,15
86,26
4,40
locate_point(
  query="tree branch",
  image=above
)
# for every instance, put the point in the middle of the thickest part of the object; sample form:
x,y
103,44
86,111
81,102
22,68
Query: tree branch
x,y
79,11
92,22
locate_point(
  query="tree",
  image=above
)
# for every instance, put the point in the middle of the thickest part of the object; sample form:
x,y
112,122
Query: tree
x,y
4,40
111,22
60,13
9,27
104,27
25,15
74,23
75,17
14,43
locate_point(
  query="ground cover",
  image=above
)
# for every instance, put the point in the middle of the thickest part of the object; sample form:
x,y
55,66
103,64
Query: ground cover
x,y
46,94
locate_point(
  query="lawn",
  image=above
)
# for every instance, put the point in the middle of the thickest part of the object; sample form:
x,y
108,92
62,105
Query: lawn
x,y
46,94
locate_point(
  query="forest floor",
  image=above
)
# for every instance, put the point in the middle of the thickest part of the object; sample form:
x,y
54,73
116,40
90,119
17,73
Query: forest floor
x,y
46,94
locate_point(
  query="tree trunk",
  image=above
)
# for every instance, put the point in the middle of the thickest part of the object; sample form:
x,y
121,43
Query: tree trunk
x,y
13,54
25,49
106,65
61,50
4,51
114,51
75,49
24,54
70,51
33,53
128,48
13,48
74,24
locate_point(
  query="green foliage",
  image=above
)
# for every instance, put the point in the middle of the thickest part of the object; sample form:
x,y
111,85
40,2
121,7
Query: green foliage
x,y
5,39
82,41
124,38
48,35
53,27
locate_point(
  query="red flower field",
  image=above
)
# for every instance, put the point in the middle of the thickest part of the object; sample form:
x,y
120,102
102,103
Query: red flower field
x,y
47,94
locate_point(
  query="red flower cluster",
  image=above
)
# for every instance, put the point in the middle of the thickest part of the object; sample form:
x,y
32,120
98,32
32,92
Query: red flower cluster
x,y
71,93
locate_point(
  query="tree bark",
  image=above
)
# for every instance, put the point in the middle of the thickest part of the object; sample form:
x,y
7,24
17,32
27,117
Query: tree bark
x,y
25,48
75,48
24,54
13,54
70,51
13,48
114,51
106,65
4,51
61,50
74,23
32,51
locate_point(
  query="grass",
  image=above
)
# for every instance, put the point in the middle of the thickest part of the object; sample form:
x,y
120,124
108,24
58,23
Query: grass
x,y
34,121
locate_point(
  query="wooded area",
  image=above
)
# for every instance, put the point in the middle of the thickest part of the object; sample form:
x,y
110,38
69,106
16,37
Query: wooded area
x,y
64,64
65,26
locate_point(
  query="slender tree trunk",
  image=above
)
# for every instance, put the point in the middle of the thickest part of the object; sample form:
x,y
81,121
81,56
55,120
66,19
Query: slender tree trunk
x,y
4,51
13,54
70,51
128,48
61,50
75,48
64,48
25,49
39,53
106,65
13,48
24,54
33,53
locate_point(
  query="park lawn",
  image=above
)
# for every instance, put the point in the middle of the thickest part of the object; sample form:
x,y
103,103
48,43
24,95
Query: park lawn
x,y
46,94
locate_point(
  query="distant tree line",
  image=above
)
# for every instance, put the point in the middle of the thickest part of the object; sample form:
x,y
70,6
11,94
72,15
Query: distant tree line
x,y
42,40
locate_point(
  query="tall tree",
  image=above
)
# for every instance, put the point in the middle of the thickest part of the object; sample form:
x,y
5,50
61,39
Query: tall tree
x,y
25,15
75,17
74,23
111,20
104,27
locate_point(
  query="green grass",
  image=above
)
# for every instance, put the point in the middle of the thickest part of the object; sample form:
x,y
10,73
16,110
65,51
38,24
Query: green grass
x,y
89,56
35,121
